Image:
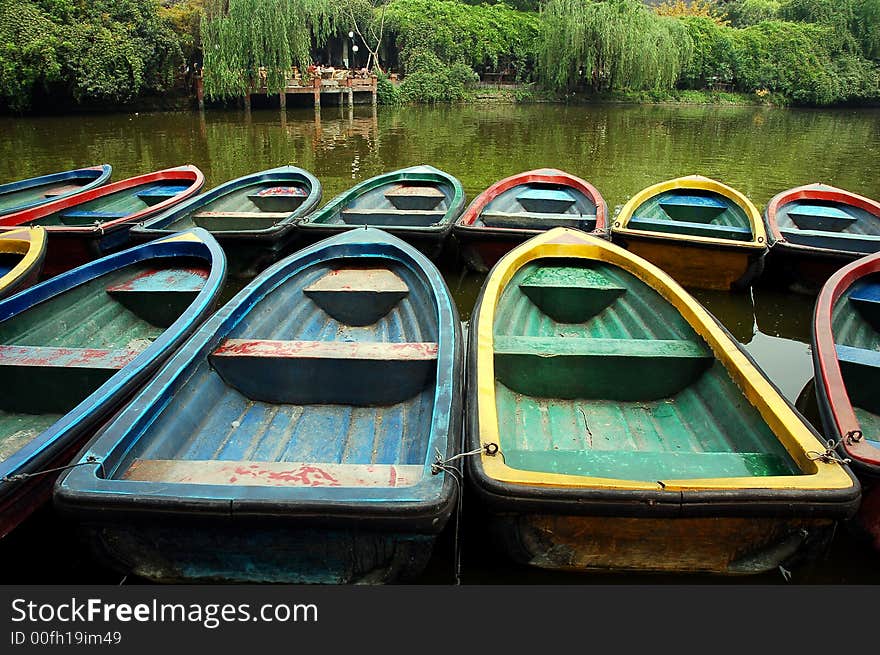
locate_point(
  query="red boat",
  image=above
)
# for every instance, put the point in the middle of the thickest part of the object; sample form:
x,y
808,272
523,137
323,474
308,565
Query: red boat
x,y
846,359
522,206
815,229
90,225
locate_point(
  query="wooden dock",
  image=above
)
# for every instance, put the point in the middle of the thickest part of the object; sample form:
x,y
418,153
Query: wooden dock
x,y
344,89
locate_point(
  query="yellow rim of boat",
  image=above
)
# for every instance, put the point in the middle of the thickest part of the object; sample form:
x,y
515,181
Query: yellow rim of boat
x,y
27,241
759,236
797,438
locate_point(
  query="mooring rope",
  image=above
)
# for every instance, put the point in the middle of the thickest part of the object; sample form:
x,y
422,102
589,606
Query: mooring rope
x,y
830,454
853,436
91,459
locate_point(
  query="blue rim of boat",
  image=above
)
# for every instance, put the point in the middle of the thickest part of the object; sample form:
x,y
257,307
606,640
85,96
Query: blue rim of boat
x,y
415,507
102,171
156,226
57,436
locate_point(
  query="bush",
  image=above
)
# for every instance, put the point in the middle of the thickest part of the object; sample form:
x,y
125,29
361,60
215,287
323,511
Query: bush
x,y
431,80
387,93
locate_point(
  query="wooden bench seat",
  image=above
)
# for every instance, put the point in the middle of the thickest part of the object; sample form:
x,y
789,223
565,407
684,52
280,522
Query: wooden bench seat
x,y
551,201
160,193
38,379
160,296
538,220
411,197
274,474
63,190
392,217
866,300
326,372
733,232
570,294
279,198
692,207
611,369
860,368
640,465
222,220
821,217
358,296
866,243
88,217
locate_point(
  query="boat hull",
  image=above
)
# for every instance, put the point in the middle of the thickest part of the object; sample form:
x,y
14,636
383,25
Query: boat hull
x,y
30,245
35,192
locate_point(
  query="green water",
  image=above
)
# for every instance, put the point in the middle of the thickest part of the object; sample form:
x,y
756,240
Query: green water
x,y
620,149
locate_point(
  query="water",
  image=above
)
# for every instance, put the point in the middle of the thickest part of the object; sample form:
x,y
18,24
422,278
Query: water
x,y
619,148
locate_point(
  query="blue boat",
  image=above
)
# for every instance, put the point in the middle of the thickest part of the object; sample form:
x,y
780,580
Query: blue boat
x,y
293,438
37,191
253,217
419,204
74,348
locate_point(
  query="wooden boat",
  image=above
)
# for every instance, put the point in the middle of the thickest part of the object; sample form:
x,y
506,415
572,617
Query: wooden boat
x,y
93,223
623,428
252,217
310,409
74,348
27,194
815,229
418,204
846,341
21,258
522,206
702,232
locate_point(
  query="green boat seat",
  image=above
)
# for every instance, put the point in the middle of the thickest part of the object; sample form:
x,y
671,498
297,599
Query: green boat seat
x,y
611,369
861,372
821,217
88,217
733,232
160,193
64,190
279,198
219,221
553,201
392,217
570,294
47,379
326,372
655,465
692,207
866,299
357,296
160,296
274,474
410,197
538,220
857,243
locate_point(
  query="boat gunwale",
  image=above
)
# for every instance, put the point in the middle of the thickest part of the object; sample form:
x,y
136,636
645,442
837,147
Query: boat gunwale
x,y
104,172
414,508
821,484
32,259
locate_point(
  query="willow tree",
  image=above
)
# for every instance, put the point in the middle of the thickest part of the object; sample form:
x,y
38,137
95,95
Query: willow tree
x,y
242,36
611,45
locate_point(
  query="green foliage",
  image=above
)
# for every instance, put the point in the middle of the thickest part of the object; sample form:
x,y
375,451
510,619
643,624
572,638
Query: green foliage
x,y
612,45
387,93
28,52
185,18
431,80
713,58
742,13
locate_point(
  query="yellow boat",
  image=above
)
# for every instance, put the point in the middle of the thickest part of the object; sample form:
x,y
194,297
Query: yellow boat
x,y
21,258
705,234
621,427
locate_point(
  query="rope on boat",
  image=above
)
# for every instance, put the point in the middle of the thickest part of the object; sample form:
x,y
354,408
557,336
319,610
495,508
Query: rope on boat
x,y
830,454
441,464
91,459
853,436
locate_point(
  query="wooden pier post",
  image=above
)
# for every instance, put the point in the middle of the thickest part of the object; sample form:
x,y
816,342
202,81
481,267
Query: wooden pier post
x,y
247,101
316,84
200,92
374,84
282,97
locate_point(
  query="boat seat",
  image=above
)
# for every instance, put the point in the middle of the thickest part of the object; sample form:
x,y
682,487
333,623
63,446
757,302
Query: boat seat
x,y
409,197
641,465
611,369
538,220
279,198
49,379
160,296
820,217
63,191
273,474
570,294
692,207
160,193
87,217
219,220
860,368
392,217
733,232
552,201
357,296
326,372
866,299
857,243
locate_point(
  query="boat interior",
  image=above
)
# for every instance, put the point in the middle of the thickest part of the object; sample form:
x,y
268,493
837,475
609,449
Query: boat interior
x,y
827,224
692,212
395,204
540,206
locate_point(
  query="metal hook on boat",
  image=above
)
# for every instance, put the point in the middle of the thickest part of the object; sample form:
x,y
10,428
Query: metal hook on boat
x,y
830,454
853,436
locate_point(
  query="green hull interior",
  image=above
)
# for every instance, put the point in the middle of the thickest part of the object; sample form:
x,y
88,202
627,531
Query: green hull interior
x,y
655,214
630,392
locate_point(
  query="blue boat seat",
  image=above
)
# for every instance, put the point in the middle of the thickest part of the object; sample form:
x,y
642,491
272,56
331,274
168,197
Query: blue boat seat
x,y
357,296
866,299
326,372
732,232
161,192
570,294
87,217
160,296
540,200
692,207
392,217
860,368
611,369
47,379
844,241
538,220
821,217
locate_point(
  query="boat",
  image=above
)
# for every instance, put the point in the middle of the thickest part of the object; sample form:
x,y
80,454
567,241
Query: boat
x,y
27,194
522,206
846,359
94,223
419,204
619,426
21,258
74,348
705,234
253,217
294,437
815,229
